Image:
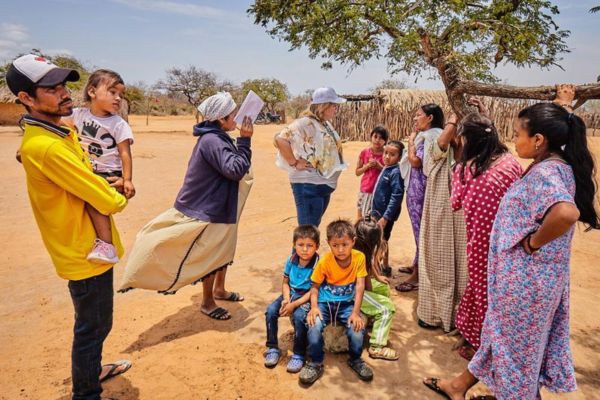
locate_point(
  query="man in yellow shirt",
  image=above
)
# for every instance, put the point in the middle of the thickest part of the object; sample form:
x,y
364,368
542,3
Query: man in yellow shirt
x,y
59,182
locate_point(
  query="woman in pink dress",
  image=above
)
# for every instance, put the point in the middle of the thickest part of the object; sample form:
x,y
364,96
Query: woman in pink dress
x,y
480,180
525,334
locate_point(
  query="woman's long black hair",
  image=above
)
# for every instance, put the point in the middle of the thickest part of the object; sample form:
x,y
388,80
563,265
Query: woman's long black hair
x,y
438,115
566,136
368,239
482,145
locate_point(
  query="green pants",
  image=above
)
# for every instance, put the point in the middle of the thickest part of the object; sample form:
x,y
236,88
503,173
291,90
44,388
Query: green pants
x,y
378,305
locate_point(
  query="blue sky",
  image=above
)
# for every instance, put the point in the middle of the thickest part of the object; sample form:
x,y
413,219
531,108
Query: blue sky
x,y
142,38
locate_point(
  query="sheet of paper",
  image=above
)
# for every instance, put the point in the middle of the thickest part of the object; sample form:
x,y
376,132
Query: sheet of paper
x,y
250,107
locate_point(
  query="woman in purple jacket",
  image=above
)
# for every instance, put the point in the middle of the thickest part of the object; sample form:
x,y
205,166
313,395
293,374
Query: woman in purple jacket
x,y
195,240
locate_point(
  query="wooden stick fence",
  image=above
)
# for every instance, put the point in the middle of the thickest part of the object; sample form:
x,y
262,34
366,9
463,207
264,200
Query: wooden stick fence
x,y
395,110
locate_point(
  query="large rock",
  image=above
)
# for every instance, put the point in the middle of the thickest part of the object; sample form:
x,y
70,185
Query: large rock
x,y
335,337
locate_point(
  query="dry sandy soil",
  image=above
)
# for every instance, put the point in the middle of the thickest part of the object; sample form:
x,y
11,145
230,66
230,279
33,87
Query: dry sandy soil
x,y
179,353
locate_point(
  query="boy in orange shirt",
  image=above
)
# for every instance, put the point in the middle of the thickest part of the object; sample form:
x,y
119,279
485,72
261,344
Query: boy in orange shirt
x,y
336,296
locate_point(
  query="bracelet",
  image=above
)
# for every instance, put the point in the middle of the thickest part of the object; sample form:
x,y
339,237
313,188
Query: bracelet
x,y
450,123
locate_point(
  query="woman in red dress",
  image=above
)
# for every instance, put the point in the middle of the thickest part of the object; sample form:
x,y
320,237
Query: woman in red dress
x,y
480,180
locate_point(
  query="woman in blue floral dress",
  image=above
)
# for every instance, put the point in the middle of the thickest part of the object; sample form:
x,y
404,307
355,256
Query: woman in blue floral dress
x,y
525,335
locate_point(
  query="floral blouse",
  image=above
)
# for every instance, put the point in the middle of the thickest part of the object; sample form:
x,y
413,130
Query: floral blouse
x,y
317,143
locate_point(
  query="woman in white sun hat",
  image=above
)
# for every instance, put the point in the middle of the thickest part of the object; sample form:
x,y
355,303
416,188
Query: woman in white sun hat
x,y
311,151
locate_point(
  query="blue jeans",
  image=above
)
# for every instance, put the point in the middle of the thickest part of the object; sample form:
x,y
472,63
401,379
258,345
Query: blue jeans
x,y
341,312
311,202
299,320
93,302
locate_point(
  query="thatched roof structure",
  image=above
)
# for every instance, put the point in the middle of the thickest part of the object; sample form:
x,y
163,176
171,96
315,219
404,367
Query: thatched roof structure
x,y
395,110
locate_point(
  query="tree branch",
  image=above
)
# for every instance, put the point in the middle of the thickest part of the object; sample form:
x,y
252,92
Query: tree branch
x,y
582,92
391,31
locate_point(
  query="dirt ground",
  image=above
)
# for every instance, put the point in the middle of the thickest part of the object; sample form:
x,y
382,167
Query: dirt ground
x,y
179,353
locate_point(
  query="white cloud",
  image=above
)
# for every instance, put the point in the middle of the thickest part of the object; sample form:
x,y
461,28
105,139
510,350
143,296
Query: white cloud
x,y
14,39
189,9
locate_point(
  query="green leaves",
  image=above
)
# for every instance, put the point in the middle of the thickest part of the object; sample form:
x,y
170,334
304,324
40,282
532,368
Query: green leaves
x,y
471,36
271,91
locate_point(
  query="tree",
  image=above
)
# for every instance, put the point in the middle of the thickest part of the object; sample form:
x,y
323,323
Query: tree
x,y
299,103
193,83
460,40
272,91
394,84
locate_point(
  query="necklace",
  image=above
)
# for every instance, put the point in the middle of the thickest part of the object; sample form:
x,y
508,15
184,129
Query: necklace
x,y
545,157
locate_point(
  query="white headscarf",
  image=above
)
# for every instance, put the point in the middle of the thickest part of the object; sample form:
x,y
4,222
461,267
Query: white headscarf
x,y
217,106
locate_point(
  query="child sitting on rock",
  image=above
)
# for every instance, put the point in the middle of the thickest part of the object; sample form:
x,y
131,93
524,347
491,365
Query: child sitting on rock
x,y
294,300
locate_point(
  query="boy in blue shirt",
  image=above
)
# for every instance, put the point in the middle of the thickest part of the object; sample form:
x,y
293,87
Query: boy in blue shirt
x,y
388,194
295,297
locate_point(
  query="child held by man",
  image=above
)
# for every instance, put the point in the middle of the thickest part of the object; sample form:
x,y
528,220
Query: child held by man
x,y
370,164
295,297
107,138
338,284
388,194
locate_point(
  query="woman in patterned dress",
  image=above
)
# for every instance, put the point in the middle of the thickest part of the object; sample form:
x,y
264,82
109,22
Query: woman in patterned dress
x,y
525,335
428,124
479,182
443,238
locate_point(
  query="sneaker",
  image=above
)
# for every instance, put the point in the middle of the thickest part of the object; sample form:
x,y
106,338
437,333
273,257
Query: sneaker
x,y
364,372
310,373
103,253
271,357
295,364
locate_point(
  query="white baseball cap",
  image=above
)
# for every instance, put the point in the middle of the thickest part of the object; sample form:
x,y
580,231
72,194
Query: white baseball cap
x,y
30,70
326,95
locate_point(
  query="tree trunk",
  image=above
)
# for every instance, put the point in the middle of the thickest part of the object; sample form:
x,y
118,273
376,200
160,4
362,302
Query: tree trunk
x,y
456,98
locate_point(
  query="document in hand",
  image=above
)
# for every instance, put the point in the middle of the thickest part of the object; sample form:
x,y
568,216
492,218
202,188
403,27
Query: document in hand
x,y
250,107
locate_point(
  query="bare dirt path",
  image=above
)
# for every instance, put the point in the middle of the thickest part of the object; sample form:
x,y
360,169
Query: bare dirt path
x,y
179,353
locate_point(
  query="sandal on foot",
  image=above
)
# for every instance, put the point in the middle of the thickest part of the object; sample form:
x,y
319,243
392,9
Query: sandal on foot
x,y
310,373
425,325
364,372
219,313
114,370
233,296
383,353
466,352
432,384
272,357
406,270
295,364
407,287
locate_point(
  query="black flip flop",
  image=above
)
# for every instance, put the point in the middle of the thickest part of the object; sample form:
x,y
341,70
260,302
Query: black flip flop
x,y
218,314
233,296
112,372
433,386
